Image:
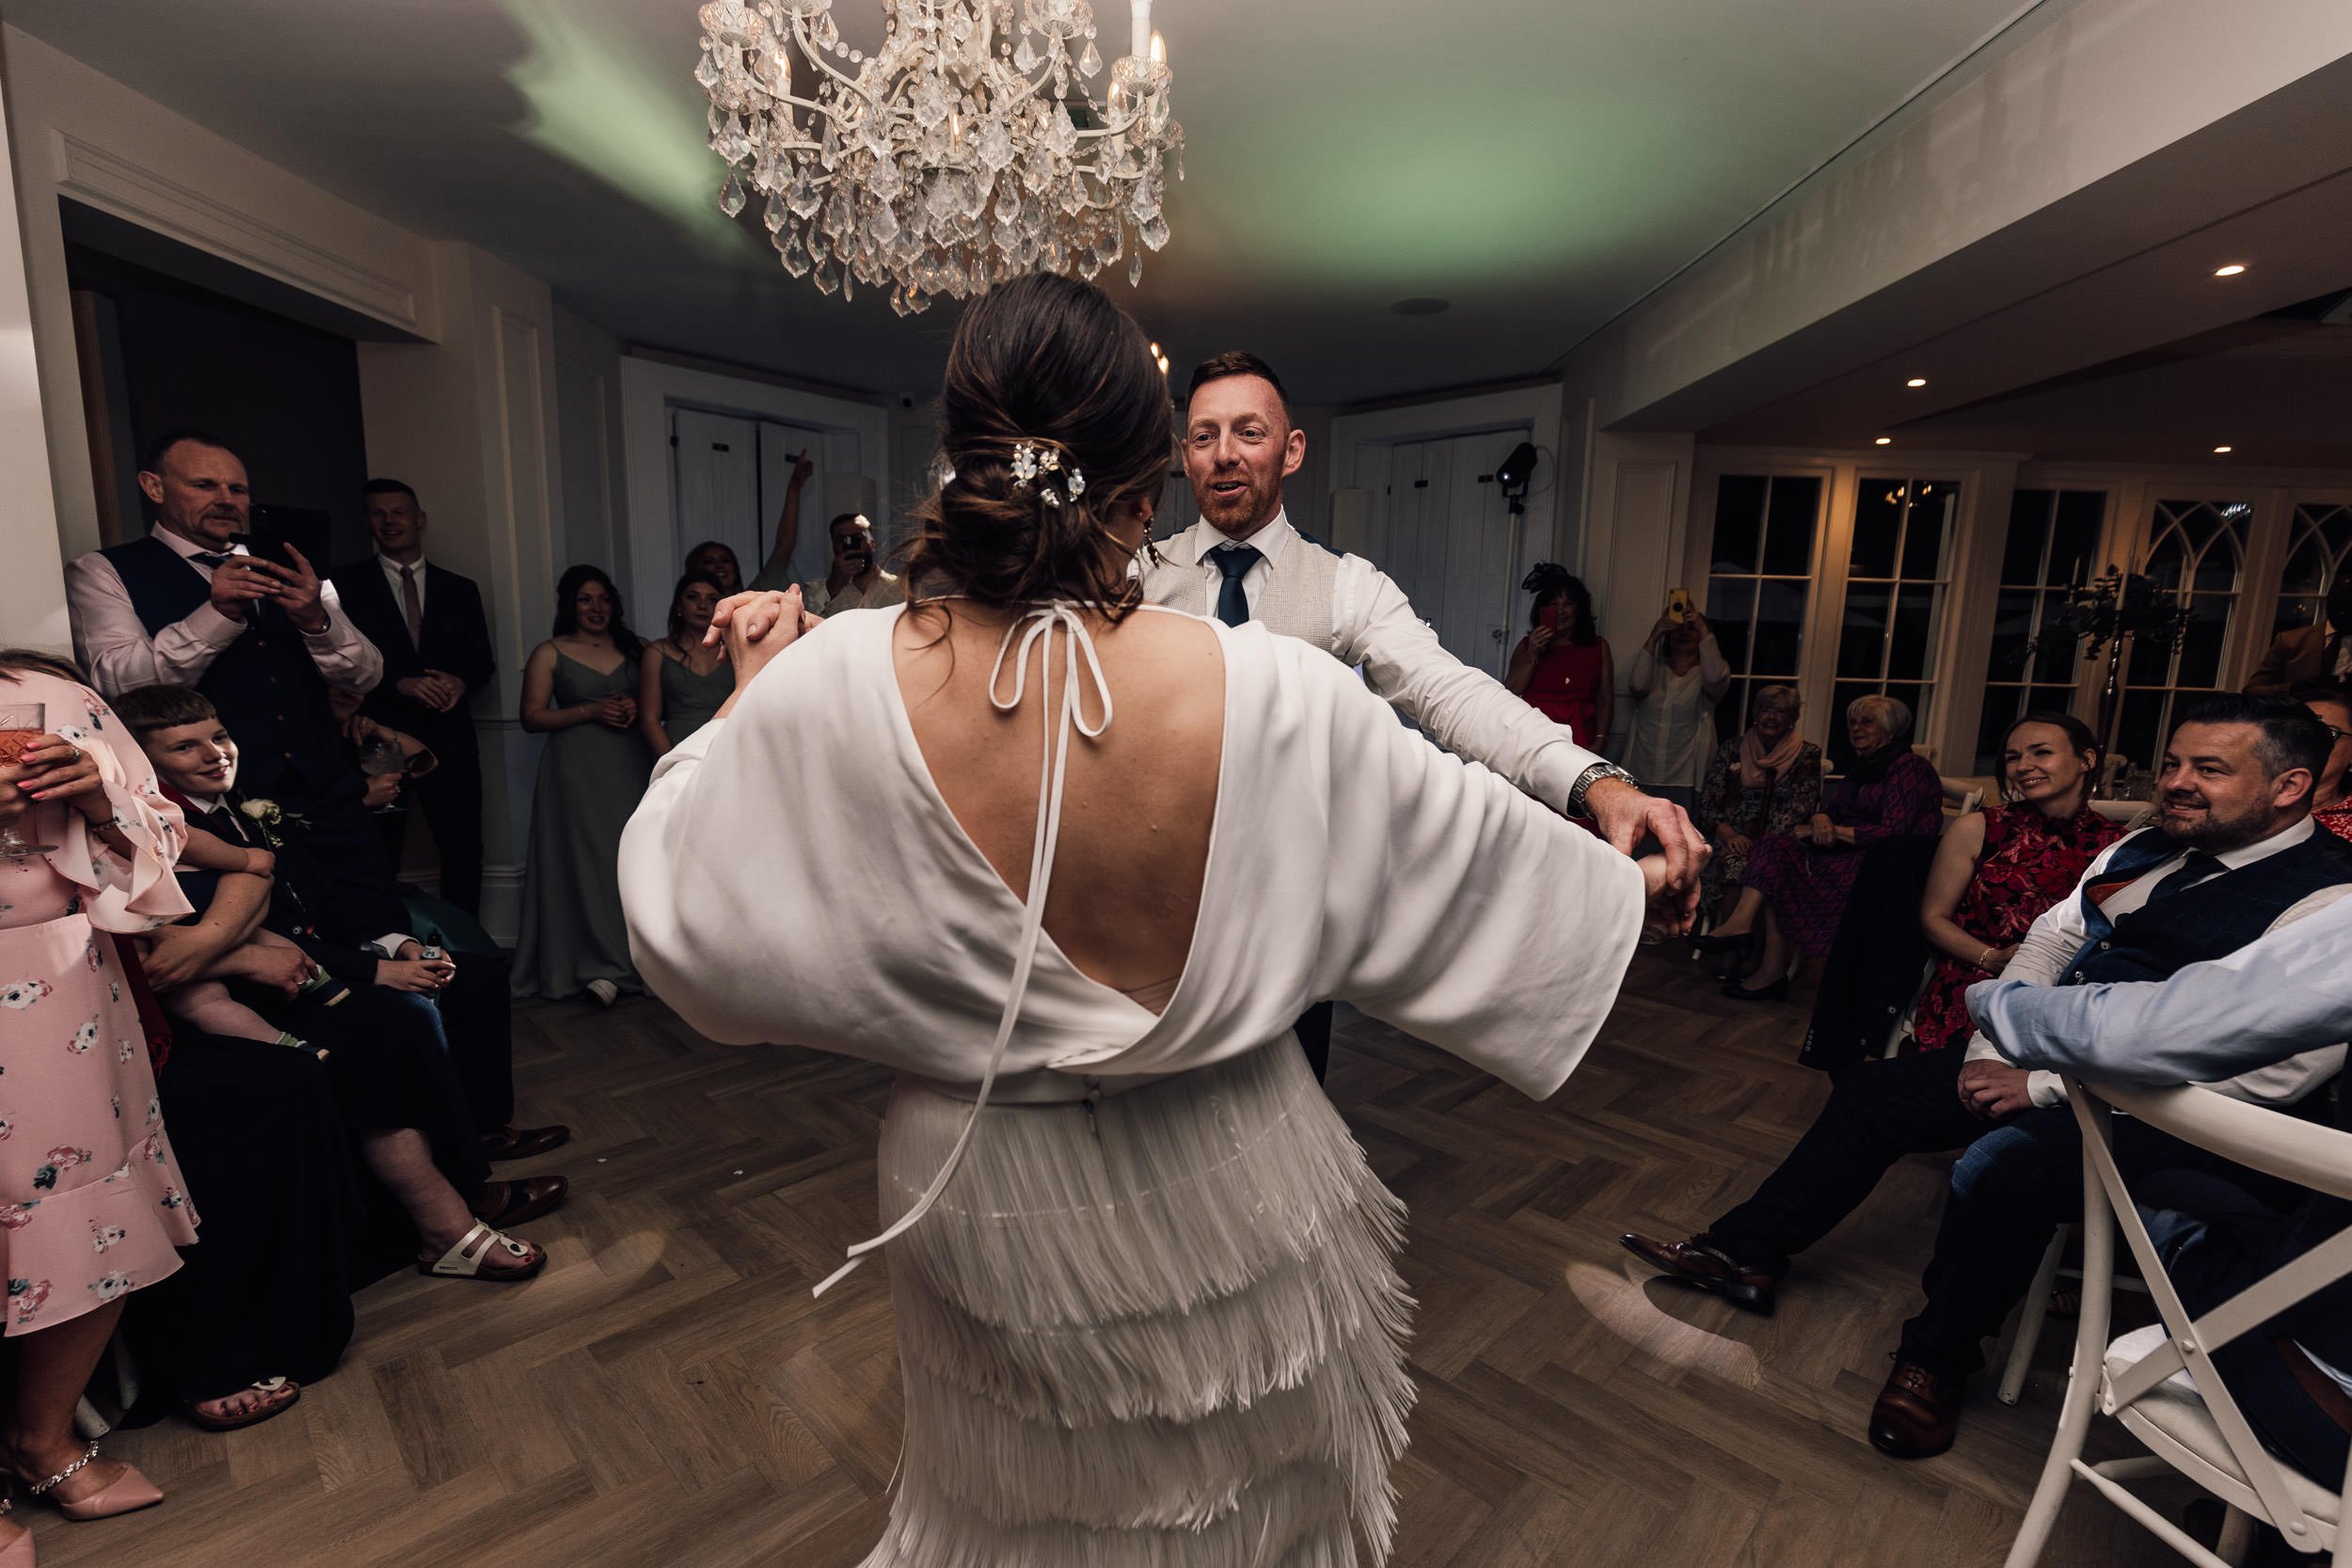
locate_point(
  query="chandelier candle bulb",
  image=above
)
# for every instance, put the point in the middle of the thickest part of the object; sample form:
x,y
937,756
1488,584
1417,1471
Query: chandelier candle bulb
x,y
1139,12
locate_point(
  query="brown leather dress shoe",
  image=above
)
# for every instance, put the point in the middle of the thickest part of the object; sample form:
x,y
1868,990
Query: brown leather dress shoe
x,y
502,1204
1709,1268
1917,1414
522,1143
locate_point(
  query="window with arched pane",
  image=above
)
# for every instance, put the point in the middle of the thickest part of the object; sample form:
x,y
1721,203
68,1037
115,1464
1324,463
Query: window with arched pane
x,y
2319,541
2197,548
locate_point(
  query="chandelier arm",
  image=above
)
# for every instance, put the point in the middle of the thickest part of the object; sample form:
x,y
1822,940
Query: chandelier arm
x,y
817,56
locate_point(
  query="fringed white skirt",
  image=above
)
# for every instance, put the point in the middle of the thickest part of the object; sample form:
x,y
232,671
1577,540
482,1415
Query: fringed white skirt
x,y
1162,1331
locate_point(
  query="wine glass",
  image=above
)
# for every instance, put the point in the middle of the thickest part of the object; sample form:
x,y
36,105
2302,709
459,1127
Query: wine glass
x,y
379,757
22,726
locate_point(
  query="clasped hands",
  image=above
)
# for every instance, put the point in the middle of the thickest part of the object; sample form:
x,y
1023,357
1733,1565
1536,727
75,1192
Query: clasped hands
x,y
1992,1088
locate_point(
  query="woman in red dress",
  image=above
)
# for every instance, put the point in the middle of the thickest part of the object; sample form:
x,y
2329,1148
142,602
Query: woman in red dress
x,y
1999,869
2331,802
1563,665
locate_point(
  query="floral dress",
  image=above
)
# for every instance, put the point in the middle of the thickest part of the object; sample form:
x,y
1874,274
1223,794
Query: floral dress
x,y
91,1202
1727,805
1808,886
2028,863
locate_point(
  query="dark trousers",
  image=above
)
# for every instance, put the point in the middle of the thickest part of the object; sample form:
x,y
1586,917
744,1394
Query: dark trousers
x,y
2218,1232
1315,1037
450,798
1878,1112
476,1021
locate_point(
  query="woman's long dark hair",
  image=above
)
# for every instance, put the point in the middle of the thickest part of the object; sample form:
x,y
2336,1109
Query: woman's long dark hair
x,y
1551,580
677,615
567,588
1050,361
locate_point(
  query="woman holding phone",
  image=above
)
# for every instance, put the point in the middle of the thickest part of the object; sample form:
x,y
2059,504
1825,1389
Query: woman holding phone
x,y
1563,665
1676,679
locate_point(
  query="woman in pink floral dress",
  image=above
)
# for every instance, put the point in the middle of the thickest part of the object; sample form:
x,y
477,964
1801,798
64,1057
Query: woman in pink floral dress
x,y
91,1204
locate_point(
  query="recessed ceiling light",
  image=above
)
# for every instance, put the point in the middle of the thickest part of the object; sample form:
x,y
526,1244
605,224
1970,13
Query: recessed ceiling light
x,y
1421,304
1916,381
2230,271
2222,452
1883,442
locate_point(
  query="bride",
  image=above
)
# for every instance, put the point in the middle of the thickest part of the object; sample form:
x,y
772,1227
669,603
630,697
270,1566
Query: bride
x,y
1072,865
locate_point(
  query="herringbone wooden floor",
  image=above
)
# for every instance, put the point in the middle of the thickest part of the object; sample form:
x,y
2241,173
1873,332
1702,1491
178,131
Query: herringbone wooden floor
x,y
668,1394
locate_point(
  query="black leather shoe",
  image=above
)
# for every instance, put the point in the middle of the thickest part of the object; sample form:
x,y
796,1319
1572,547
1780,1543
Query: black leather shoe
x,y
1917,1414
1777,991
1713,943
1707,1268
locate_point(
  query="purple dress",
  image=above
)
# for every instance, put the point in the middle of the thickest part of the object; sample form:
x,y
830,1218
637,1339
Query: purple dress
x,y
1806,886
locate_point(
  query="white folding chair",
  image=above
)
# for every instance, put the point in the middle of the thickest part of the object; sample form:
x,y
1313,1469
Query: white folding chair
x,y
2191,1424
2035,1311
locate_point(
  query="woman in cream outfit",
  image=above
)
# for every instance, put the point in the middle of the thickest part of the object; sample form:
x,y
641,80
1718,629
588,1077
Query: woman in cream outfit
x,y
1072,867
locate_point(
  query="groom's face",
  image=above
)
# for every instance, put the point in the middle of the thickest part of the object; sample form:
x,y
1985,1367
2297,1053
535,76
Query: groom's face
x,y
1239,447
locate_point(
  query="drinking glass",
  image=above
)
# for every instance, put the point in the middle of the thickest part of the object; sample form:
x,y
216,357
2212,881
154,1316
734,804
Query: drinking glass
x,y
380,756
22,724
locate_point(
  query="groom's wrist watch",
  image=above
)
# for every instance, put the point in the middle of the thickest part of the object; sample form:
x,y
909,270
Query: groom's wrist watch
x,y
1591,776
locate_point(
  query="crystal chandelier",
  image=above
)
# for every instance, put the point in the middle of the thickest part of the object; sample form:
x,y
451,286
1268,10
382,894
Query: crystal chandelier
x,y
965,151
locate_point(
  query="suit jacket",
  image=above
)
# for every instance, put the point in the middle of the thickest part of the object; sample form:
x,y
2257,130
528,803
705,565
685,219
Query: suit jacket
x,y
2298,658
330,920
456,642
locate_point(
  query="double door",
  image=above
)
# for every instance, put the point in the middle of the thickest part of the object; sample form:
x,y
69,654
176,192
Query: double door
x,y
731,474
1452,544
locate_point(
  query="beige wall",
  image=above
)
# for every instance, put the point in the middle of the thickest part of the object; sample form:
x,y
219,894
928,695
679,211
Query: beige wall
x,y
32,590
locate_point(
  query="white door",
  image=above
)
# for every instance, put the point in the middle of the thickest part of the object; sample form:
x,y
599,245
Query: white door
x,y
1450,539
717,458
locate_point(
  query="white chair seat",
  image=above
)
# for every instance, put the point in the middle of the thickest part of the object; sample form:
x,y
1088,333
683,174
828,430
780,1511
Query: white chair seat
x,y
2173,1410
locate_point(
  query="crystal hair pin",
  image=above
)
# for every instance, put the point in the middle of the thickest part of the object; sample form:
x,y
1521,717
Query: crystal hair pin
x,y
1030,460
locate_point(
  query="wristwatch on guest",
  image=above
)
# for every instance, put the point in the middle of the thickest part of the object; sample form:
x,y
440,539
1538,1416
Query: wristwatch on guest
x,y
1592,776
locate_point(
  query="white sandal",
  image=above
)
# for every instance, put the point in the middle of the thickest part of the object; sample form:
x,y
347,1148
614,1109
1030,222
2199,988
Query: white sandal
x,y
465,1260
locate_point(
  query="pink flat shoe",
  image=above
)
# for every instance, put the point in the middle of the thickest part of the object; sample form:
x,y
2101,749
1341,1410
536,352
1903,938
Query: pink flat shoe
x,y
126,1493
19,1552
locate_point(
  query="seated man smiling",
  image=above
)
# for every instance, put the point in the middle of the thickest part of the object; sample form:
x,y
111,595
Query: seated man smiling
x,y
2230,856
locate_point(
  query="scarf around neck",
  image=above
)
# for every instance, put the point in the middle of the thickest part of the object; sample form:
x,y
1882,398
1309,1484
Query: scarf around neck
x,y
1758,768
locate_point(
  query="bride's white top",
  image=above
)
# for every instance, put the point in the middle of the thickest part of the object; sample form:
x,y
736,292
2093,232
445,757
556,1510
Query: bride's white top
x,y
793,875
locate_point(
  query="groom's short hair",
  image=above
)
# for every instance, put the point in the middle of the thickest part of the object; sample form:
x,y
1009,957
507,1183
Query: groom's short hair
x,y
1236,361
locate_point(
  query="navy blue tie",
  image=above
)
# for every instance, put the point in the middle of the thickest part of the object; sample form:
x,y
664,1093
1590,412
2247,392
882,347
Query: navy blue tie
x,y
1235,561
2196,869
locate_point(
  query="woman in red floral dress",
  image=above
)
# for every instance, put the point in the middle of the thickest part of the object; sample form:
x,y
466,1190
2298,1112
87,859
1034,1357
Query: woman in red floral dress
x,y
1999,869
2331,802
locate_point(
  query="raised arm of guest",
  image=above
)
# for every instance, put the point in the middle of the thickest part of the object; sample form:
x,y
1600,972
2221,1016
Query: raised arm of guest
x,y
1522,666
776,571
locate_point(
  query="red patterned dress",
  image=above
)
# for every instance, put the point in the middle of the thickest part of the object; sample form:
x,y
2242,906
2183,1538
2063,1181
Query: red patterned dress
x,y
2028,863
2336,819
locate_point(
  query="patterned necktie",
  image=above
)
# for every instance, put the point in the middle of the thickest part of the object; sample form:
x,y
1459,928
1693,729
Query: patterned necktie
x,y
411,608
2196,869
1235,561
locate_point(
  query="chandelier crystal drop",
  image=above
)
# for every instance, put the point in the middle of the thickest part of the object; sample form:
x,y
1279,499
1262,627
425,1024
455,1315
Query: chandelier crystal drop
x,y
965,151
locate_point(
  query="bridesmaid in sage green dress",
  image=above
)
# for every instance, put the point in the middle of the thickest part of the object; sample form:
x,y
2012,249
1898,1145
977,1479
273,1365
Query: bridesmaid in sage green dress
x,y
680,682
580,690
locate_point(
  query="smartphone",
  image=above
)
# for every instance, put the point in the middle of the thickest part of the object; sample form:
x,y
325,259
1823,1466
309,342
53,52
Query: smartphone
x,y
1677,605
273,527
1549,616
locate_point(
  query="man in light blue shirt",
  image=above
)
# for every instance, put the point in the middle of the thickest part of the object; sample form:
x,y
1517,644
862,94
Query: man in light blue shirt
x,y
2222,1228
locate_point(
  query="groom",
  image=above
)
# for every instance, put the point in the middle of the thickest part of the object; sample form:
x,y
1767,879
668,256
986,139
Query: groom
x,y
1244,562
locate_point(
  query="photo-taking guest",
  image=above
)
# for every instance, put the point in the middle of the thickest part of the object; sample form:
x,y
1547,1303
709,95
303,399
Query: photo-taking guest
x,y
1676,678
681,682
427,622
1765,784
1562,666
1997,869
580,690
1794,889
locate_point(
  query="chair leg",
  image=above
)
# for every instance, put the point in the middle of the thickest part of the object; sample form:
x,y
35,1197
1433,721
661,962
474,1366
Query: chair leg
x,y
2238,1538
2030,1316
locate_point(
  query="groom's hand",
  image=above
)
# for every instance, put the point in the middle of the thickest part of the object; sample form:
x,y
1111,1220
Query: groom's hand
x,y
1624,817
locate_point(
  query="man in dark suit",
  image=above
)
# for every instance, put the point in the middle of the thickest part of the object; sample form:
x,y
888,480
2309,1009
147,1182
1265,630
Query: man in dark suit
x,y
428,623
2310,656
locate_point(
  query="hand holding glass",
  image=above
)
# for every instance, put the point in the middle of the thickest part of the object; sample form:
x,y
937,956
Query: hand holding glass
x,y
22,726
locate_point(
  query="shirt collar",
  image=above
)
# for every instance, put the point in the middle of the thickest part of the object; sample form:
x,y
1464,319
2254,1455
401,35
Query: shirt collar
x,y
2285,839
208,803
393,568
1269,540
187,549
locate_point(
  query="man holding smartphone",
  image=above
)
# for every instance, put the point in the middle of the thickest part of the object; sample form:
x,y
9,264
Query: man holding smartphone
x,y
190,605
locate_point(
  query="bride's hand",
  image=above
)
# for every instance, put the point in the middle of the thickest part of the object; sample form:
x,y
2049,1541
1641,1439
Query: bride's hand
x,y
756,628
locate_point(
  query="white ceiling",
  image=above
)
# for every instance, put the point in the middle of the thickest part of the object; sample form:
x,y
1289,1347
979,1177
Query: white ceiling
x,y
1539,162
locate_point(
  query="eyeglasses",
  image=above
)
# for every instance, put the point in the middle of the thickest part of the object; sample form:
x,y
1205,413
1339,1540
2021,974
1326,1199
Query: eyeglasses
x,y
2340,734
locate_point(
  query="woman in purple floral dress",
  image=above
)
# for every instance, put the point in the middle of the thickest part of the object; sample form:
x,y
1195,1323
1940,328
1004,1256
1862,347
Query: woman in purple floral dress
x,y
91,1203
1794,888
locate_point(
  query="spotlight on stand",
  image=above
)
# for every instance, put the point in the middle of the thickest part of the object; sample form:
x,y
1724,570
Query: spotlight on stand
x,y
1517,471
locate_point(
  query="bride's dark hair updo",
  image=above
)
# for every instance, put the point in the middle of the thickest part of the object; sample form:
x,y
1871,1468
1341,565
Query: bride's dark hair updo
x,y
1048,360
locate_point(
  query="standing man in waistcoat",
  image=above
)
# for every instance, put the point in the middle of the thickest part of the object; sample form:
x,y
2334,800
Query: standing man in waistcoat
x,y
1244,561
188,605
2232,855
427,622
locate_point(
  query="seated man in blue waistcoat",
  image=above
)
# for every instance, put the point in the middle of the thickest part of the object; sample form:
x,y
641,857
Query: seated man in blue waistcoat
x,y
2232,855
2222,1230
189,606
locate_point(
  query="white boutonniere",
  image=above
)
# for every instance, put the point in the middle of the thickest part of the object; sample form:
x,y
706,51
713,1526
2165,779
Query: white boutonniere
x,y
270,817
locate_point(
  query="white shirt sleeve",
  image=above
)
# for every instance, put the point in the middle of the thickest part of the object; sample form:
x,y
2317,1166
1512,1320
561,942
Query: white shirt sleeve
x,y
1714,670
342,651
1467,711
112,642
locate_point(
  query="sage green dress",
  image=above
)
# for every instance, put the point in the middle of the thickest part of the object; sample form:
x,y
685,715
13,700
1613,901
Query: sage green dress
x,y
590,779
689,700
